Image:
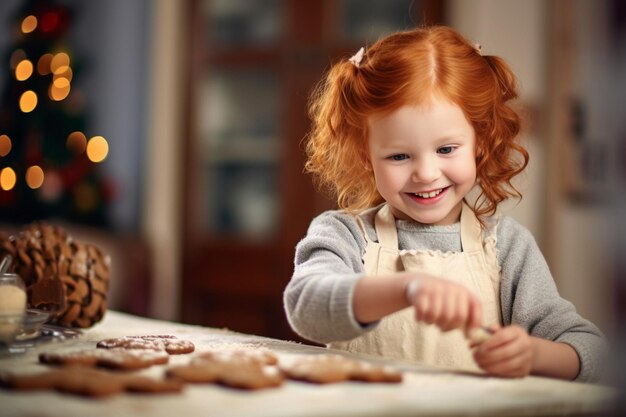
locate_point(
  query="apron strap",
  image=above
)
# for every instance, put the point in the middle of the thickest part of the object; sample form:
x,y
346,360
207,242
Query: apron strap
x,y
385,225
471,230
359,221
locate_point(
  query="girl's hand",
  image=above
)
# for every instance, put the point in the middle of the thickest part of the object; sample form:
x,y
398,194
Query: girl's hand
x,y
444,303
509,352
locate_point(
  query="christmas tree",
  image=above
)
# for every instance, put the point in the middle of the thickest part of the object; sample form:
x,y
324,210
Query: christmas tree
x,y
48,158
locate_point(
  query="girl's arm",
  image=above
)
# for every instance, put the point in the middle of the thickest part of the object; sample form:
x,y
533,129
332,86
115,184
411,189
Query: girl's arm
x,y
436,300
530,299
553,359
328,265
377,297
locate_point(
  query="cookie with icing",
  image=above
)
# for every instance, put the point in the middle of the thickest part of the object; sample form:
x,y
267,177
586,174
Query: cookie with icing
x,y
170,344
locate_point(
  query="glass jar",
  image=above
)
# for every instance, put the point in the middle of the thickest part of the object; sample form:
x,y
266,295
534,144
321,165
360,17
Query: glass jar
x,y
12,306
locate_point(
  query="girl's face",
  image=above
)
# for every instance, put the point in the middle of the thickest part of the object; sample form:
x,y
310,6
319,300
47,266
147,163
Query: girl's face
x,y
423,158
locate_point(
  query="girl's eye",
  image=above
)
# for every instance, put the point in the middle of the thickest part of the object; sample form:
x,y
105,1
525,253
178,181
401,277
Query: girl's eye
x,y
398,157
445,150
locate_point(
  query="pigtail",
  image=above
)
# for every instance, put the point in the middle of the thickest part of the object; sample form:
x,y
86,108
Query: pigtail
x,y
504,76
336,146
499,155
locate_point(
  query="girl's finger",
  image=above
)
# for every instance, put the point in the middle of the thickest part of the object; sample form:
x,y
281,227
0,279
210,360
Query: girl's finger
x,y
434,311
448,307
501,337
423,304
475,317
503,354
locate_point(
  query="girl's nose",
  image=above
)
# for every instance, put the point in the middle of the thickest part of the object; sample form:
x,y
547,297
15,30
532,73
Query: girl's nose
x,y
425,171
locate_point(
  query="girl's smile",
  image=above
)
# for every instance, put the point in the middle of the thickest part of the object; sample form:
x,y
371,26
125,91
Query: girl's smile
x,y
428,197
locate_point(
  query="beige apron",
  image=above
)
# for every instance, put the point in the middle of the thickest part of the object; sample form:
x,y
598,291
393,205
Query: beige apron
x,y
399,335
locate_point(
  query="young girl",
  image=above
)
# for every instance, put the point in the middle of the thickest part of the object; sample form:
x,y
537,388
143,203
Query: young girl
x,y
409,268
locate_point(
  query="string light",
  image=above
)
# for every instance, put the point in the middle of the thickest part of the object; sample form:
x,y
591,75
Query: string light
x,y
16,57
34,177
43,65
59,89
68,74
49,21
97,149
59,62
29,24
76,142
52,187
5,145
23,70
28,101
7,178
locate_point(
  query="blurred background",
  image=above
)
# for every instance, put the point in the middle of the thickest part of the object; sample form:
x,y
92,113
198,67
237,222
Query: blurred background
x,y
170,134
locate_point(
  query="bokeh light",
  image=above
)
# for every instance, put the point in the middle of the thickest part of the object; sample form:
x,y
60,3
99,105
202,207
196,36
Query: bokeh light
x,y
68,74
49,21
76,142
16,57
97,149
7,178
59,62
52,188
29,24
5,145
59,89
23,70
34,176
28,101
43,65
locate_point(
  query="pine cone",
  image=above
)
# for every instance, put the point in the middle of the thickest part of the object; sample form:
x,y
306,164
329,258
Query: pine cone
x,y
63,276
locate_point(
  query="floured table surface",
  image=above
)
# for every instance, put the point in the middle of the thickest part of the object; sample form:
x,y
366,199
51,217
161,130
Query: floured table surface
x,y
423,391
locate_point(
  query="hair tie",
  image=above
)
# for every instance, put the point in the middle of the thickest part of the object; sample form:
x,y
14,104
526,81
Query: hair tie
x,y
357,58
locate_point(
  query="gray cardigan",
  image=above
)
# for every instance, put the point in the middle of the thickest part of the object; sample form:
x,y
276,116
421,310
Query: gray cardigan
x,y
328,264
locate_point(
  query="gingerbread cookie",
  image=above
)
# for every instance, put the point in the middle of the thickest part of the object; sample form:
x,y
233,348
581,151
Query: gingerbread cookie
x,y
170,344
324,369
260,356
232,374
116,358
236,368
88,382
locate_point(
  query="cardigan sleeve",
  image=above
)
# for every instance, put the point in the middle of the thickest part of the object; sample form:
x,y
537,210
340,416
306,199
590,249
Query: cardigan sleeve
x,y
328,264
530,298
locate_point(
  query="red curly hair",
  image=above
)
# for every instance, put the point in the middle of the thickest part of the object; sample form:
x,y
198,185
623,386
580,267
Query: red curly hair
x,y
409,68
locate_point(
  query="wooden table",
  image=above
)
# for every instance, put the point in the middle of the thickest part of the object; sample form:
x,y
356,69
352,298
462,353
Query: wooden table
x,y
424,391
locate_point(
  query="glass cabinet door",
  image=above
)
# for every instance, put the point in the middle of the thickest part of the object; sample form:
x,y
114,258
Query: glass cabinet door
x,y
243,22
364,22
238,123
